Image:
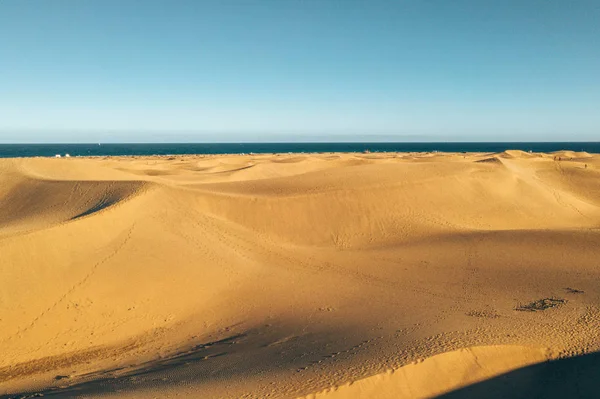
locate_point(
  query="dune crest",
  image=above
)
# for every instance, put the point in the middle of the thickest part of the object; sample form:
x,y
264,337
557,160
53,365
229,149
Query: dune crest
x,y
31,204
438,374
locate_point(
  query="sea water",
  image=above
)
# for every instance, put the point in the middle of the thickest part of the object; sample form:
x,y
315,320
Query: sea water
x,y
50,150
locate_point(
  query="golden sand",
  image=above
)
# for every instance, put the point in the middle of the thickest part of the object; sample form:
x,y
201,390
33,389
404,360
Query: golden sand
x,y
305,275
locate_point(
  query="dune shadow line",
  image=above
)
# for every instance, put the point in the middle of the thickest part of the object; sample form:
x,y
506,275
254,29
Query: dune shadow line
x,y
576,377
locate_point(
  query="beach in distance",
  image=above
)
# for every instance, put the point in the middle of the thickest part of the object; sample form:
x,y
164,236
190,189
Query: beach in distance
x,y
288,275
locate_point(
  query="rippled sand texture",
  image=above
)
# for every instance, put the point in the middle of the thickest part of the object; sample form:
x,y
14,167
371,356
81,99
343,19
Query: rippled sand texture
x,y
321,275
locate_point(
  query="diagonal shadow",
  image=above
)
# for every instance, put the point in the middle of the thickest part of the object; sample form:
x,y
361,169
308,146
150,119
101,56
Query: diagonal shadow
x,y
576,377
274,349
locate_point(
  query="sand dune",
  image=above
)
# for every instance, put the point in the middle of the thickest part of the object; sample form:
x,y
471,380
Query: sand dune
x,y
439,374
32,204
286,275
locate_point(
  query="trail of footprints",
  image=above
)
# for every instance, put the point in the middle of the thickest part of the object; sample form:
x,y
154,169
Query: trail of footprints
x,y
75,286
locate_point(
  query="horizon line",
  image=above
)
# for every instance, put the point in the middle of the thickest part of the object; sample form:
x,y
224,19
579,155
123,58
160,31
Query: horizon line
x,y
292,142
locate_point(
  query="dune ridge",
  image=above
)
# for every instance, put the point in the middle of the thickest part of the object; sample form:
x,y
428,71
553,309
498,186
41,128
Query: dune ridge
x,y
284,275
439,374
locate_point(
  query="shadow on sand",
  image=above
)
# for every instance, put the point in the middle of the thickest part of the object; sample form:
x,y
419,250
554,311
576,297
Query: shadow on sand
x,y
576,377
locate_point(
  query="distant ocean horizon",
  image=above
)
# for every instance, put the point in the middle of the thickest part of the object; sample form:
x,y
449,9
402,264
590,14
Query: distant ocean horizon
x,y
141,149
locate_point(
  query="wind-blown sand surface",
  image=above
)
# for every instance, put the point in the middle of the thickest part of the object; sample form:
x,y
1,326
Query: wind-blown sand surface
x,y
319,276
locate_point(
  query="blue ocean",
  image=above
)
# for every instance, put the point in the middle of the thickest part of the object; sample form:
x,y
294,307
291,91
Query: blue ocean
x,y
50,150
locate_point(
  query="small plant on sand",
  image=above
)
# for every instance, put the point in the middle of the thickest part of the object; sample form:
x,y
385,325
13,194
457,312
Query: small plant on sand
x,y
573,291
541,304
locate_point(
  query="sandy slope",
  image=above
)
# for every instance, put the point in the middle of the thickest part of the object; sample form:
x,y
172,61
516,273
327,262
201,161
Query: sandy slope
x,y
439,374
293,275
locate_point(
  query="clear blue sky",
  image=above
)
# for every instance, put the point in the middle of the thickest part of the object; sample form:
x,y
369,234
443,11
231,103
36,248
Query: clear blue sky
x,y
421,70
